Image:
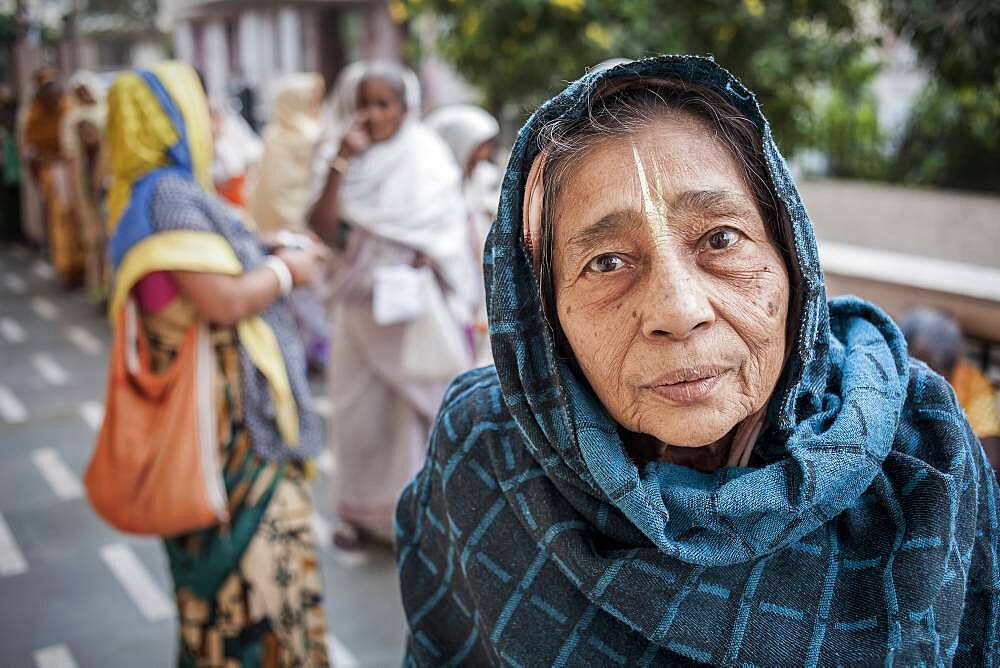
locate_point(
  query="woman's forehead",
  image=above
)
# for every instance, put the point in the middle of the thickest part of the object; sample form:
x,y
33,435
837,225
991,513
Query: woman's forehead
x,y
376,87
668,158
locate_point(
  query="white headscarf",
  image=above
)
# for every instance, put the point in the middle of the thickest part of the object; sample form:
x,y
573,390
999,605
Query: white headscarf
x,y
407,189
464,128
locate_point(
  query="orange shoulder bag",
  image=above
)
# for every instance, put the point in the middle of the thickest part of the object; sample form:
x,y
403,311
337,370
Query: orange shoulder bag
x,y
155,468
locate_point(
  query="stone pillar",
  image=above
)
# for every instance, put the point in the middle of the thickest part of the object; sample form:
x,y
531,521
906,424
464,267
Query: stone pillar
x,y
216,65
383,36
184,46
289,40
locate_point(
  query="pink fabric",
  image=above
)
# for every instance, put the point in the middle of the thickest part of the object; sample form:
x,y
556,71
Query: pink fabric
x,y
154,291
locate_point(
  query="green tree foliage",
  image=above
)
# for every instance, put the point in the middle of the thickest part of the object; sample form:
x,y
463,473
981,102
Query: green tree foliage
x,y
141,10
952,138
521,51
844,124
959,40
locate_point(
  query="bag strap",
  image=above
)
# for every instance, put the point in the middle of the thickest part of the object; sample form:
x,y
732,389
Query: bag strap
x,y
131,324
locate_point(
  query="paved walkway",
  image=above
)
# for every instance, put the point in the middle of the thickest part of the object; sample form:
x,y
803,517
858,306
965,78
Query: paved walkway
x,y
74,592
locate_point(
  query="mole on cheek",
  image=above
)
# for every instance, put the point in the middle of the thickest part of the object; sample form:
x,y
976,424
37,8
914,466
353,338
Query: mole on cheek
x,y
634,314
569,309
771,309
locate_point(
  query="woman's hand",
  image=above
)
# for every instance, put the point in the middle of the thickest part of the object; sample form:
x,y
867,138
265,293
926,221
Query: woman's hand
x,y
356,140
306,264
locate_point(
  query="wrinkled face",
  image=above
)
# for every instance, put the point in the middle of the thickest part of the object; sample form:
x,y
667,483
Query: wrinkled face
x,y
671,295
382,108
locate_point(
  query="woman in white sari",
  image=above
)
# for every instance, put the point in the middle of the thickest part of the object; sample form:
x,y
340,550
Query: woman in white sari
x,y
392,204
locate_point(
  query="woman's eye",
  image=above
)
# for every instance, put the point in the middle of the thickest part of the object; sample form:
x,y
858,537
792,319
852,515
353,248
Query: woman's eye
x,y
605,264
723,238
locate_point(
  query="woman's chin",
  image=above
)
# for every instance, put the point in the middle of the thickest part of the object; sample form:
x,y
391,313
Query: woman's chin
x,y
694,428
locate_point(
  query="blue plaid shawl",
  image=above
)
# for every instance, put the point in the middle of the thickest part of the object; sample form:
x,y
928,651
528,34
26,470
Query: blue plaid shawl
x,y
866,536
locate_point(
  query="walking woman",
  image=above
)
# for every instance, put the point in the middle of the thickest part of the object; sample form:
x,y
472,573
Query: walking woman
x,y
47,164
249,593
392,201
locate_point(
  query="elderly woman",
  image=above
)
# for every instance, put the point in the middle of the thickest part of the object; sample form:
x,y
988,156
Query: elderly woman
x,y
392,203
685,453
249,592
46,159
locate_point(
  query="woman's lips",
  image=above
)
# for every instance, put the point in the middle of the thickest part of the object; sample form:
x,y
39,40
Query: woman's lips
x,y
687,386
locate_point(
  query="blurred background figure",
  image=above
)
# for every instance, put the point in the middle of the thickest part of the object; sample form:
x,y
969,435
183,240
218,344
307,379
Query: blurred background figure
x,y
47,165
237,154
285,184
280,199
249,593
10,169
935,338
472,133
391,204
83,129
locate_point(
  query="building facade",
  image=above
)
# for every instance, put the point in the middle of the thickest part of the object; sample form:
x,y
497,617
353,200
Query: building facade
x,y
249,44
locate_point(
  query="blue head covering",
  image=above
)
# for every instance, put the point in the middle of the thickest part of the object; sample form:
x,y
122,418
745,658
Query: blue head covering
x,y
866,533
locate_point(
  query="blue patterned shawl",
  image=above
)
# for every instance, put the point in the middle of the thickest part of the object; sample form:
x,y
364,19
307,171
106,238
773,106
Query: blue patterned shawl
x,y
866,535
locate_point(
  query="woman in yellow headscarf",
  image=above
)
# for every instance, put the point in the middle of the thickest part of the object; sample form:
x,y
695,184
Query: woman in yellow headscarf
x,y
249,594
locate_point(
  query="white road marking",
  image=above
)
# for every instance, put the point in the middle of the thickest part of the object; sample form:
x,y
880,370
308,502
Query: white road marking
x,y
12,331
138,583
11,408
322,530
322,406
44,308
84,340
325,463
49,369
61,479
56,656
92,413
43,270
15,284
11,560
339,655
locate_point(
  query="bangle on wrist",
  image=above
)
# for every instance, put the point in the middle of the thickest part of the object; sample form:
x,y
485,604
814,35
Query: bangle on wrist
x,y
284,274
339,164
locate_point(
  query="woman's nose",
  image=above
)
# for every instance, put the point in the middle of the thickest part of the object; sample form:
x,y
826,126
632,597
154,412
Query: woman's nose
x,y
677,301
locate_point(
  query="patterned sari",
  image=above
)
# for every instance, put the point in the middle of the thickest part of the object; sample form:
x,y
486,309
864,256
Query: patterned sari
x,y
249,593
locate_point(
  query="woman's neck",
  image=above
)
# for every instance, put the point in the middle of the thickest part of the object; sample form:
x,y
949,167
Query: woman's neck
x,y
707,458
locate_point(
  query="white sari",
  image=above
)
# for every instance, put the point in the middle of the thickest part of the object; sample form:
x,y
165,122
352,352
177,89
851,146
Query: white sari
x,y
402,200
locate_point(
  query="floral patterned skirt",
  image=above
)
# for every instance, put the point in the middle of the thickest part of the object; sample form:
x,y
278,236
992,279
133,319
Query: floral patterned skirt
x,y
249,593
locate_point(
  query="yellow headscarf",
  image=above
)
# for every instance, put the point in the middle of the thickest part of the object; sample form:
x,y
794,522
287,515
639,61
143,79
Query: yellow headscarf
x,y
140,133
